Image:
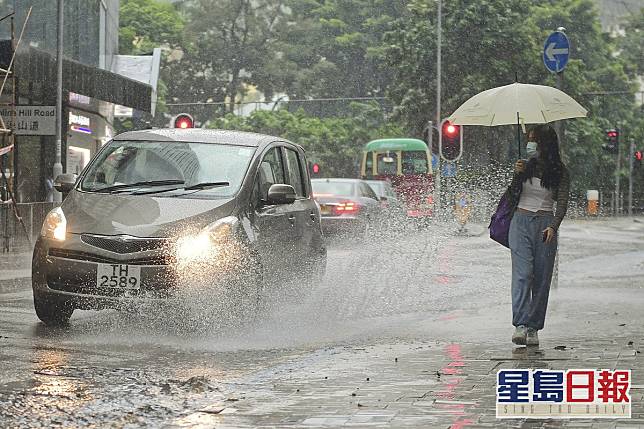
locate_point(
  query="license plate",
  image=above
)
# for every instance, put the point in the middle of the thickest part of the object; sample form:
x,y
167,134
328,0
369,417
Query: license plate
x,y
120,276
325,210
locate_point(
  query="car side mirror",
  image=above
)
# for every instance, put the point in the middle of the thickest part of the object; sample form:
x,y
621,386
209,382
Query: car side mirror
x,y
280,194
65,182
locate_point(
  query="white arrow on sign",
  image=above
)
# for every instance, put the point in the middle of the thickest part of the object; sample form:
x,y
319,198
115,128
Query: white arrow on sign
x,y
551,51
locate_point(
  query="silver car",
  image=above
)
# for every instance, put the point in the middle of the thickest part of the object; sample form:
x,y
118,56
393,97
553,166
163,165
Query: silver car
x,y
158,208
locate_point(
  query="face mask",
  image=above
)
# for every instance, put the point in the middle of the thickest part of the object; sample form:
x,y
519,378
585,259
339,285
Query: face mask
x,y
531,149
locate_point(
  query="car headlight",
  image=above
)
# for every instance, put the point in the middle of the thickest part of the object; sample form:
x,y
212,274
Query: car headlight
x,y
55,225
209,243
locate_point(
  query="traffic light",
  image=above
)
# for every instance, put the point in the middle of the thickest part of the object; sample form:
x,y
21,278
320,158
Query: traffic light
x,y
638,158
612,140
315,168
183,121
451,141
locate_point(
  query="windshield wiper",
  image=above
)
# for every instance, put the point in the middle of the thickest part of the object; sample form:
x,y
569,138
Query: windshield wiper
x,y
205,185
140,184
195,187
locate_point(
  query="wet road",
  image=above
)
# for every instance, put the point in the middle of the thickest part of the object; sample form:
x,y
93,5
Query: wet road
x,y
423,298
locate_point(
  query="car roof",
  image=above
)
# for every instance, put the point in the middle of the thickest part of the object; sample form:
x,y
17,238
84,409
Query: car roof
x,y
383,145
200,135
337,179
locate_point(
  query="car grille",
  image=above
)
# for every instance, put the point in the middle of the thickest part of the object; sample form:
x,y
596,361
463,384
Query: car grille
x,y
89,257
124,244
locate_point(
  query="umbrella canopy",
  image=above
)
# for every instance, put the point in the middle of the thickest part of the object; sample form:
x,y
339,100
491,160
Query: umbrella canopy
x,y
517,103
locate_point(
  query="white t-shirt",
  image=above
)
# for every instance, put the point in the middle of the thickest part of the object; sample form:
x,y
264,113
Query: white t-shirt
x,y
535,198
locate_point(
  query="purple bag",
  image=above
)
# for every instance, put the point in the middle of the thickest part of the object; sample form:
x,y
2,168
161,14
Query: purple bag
x,y
500,223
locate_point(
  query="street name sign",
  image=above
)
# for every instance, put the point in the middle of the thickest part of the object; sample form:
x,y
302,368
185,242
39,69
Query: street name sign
x,y
30,120
556,51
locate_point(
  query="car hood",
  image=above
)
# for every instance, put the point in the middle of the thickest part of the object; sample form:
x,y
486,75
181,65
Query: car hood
x,y
140,215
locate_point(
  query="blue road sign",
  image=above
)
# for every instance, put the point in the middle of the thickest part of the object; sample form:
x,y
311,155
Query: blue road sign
x,y
556,51
449,169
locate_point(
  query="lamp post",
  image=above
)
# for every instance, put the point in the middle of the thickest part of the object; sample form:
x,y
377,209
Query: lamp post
x,y
58,165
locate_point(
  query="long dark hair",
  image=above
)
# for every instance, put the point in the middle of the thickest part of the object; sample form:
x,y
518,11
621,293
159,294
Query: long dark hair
x,y
549,157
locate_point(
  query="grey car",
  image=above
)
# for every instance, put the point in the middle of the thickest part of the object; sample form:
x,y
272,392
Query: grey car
x,y
347,205
158,208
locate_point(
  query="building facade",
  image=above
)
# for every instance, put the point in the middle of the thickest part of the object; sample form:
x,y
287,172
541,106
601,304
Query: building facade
x,y
91,87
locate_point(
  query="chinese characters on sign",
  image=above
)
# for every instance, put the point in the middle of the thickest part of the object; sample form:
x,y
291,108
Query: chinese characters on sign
x,y
30,120
573,393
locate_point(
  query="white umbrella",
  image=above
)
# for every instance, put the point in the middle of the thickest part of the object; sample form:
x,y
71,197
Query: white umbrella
x,y
518,103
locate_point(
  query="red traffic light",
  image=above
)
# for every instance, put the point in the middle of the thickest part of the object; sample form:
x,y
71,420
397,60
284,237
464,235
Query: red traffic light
x,y
316,168
638,155
450,130
183,121
612,133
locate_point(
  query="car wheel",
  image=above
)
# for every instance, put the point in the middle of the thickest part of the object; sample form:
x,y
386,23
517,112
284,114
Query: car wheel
x,y
53,312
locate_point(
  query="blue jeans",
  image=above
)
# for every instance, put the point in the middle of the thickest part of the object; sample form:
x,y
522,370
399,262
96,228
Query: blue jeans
x,y
532,264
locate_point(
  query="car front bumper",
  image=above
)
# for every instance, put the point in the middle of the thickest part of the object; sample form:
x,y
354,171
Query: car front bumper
x,y
67,271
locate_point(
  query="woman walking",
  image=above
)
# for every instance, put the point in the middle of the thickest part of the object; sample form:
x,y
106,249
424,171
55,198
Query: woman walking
x,y
538,185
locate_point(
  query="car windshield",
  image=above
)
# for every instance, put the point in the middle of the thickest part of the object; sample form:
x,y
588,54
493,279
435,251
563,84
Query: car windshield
x,y
132,165
321,188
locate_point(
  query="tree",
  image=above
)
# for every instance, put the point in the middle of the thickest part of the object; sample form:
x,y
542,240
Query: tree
x,y
229,45
331,47
334,143
485,44
143,26
148,24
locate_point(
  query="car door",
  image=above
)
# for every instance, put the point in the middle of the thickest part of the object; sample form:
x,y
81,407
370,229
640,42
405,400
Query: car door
x,y
274,224
304,208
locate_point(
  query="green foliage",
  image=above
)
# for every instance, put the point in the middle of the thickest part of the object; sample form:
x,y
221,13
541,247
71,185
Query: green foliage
x,y
148,24
335,143
487,42
228,46
145,25
330,48
361,48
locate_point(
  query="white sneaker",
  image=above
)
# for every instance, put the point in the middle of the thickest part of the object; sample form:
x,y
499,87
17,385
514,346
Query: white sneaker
x,y
519,336
532,339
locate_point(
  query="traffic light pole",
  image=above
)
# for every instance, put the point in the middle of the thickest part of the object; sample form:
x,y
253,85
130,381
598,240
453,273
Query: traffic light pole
x,y
437,181
631,157
617,168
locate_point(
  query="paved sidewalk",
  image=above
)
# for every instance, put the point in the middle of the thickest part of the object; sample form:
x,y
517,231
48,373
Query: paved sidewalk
x,y
409,385
15,268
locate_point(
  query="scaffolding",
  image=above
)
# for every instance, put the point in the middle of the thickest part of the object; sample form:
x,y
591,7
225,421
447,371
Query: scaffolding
x,y
8,140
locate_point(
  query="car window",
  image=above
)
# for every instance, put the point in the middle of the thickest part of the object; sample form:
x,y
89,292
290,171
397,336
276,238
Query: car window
x,y
322,188
366,191
294,168
414,162
387,163
378,187
271,171
369,165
